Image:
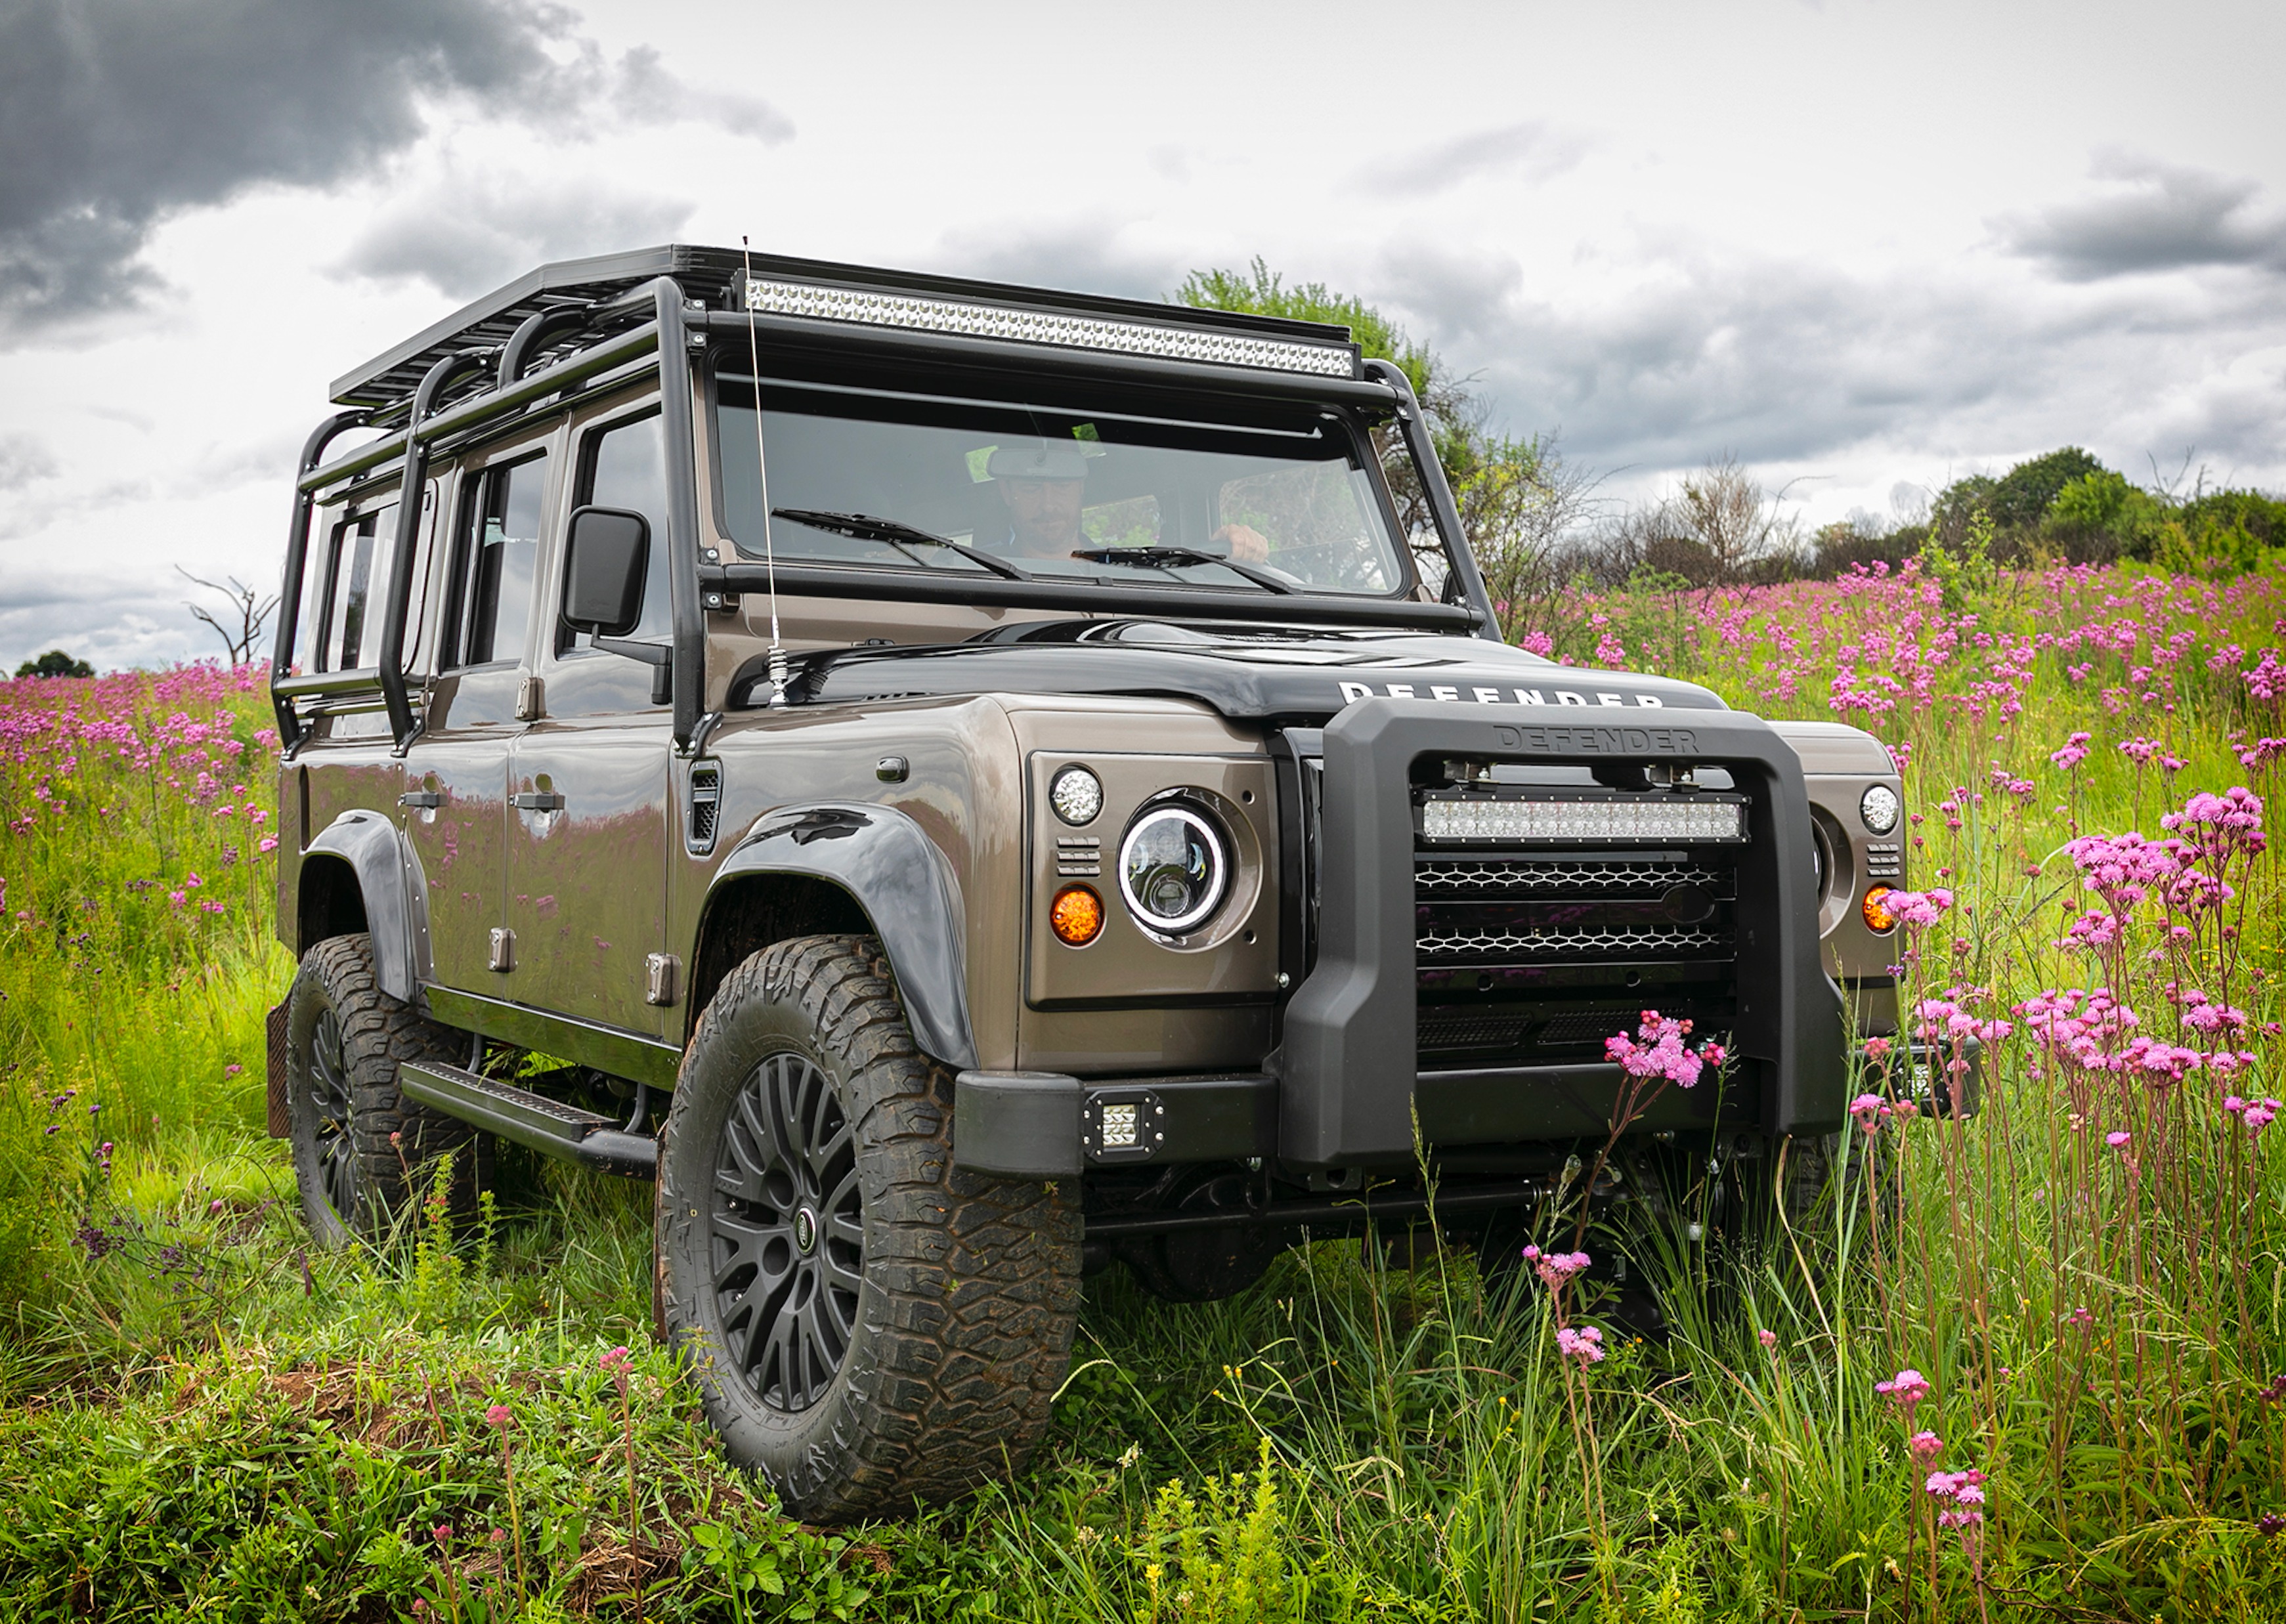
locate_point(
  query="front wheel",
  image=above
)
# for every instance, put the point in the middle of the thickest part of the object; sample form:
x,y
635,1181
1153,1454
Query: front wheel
x,y
868,1325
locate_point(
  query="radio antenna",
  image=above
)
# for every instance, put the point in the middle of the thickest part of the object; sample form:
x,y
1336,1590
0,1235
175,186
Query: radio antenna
x,y
778,654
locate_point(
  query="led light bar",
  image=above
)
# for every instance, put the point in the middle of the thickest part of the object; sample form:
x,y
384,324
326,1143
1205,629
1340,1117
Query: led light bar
x,y
1033,327
1677,818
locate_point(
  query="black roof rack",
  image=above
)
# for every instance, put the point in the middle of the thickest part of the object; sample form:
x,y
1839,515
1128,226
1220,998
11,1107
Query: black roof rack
x,y
388,379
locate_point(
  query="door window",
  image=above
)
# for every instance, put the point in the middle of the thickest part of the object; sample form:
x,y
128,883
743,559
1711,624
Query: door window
x,y
626,468
499,559
356,578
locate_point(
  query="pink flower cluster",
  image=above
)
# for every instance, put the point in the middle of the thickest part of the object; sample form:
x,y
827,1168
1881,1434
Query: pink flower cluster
x,y
1918,909
1871,1111
1556,1269
1905,1390
2255,1113
1965,1490
1658,1050
1583,1342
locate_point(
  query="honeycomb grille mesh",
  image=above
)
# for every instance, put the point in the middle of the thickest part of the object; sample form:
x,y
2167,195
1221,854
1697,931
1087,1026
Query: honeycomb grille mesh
x,y
1465,876
1556,942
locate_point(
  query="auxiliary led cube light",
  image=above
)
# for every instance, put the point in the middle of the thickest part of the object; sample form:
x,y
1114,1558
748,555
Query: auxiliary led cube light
x,y
1697,819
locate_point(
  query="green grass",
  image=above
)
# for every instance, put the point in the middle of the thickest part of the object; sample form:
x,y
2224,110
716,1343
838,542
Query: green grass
x,y
210,1420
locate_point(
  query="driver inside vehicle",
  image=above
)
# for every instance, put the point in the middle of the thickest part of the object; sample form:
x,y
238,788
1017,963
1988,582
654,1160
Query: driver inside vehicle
x,y
1043,487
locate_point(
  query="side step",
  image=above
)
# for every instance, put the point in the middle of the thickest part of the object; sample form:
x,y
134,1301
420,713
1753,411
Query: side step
x,y
548,1126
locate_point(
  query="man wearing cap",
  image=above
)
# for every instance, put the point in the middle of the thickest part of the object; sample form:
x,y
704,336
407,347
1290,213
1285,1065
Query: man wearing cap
x,y
1044,486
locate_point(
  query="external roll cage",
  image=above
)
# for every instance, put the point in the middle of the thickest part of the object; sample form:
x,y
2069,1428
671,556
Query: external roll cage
x,y
676,326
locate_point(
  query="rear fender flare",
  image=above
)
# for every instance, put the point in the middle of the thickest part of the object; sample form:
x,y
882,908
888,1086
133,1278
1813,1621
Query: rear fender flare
x,y
906,888
396,899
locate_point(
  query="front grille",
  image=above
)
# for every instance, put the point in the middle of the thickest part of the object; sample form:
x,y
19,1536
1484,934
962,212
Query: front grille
x,y
1557,942
1536,957
1627,876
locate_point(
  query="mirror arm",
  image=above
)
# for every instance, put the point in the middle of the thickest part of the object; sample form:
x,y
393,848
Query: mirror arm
x,y
659,656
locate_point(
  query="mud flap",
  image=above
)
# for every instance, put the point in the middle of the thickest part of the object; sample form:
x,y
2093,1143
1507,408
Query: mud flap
x,y
279,1089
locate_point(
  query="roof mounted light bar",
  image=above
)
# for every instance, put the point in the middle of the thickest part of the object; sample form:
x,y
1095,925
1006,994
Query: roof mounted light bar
x,y
1034,327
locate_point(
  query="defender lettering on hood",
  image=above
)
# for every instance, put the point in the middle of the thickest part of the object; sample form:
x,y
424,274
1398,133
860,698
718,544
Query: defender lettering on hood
x,y
1352,692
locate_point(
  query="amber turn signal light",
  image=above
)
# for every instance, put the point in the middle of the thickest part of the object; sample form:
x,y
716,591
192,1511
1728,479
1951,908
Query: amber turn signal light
x,y
1877,916
1076,916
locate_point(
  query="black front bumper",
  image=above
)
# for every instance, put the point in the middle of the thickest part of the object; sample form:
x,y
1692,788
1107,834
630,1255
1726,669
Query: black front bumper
x,y
1350,1079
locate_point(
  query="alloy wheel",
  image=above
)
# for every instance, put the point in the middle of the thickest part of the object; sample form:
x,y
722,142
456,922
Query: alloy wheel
x,y
329,1114
786,1224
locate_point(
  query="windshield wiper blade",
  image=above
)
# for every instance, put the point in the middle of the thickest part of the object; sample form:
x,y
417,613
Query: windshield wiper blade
x,y
868,527
1179,557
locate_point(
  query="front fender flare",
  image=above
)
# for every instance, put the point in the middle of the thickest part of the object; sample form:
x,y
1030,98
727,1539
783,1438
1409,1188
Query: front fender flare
x,y
906,888
396,913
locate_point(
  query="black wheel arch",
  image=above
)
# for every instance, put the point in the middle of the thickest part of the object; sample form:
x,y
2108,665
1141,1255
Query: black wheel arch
x,y
357,875
846,869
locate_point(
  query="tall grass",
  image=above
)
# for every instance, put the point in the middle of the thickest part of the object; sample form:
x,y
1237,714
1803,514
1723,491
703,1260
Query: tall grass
x,y
2098,1330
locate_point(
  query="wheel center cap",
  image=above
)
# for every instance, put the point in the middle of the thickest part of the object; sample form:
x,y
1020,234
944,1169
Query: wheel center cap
x,y
804,1231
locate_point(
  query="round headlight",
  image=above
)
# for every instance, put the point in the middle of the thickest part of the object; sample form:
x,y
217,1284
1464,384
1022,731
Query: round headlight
x,y
1173,870
1076,794
1879,807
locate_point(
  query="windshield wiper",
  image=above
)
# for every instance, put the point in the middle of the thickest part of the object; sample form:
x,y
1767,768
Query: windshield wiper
x,y
905,538
1181,557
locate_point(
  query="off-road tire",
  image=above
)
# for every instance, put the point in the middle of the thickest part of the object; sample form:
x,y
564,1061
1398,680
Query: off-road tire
x,y
357,1141
954,1295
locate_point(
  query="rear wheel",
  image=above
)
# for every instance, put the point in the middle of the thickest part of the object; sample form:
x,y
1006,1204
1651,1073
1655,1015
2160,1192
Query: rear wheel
x,y
362,1151
867,1325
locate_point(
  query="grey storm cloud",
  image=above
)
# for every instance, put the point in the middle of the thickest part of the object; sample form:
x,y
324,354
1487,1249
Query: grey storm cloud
x,y
1086,257
23,459
465,235
115,112
1531,148
2151,217
1780,362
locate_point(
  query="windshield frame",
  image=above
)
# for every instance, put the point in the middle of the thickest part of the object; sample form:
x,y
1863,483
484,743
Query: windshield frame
x,y
725,565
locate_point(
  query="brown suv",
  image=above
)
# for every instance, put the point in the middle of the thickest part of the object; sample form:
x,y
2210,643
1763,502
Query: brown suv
x,y
968,785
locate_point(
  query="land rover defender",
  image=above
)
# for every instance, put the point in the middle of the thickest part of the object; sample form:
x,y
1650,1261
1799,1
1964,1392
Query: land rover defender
x,y
963,785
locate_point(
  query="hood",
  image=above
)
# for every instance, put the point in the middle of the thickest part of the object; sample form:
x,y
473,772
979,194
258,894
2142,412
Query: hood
x,y
1244,672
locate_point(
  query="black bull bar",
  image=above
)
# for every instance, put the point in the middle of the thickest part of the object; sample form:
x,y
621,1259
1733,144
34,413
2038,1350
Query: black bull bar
x,y
1349,1083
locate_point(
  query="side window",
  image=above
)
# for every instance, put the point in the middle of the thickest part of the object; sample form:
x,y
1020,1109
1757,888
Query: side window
x,y
357,576
498,556
626,467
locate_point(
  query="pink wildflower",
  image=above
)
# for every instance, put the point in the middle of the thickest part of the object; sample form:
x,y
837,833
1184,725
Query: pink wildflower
x,y
1905,1389
1584,1343
2118,1140
497,1416
1926,1447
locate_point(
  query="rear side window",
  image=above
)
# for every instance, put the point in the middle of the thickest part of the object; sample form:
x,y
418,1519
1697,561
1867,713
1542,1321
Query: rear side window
x,y
498,560
356,578
626,468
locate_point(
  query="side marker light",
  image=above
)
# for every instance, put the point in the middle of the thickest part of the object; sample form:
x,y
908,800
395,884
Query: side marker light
x,y
1878,919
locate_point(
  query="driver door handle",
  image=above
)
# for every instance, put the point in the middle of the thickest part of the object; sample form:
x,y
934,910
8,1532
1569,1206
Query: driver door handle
x,y
537,800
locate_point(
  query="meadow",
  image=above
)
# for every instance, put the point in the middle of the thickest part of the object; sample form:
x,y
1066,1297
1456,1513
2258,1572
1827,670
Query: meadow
x,y
2029,1363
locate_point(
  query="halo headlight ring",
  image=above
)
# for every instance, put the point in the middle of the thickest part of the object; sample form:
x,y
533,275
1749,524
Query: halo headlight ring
x,y
1174,868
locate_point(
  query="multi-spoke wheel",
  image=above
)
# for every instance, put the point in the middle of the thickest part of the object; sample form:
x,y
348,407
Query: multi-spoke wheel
x,y
788,1227
867,1325
361,1150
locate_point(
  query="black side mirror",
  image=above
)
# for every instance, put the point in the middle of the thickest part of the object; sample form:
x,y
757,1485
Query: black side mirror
x,y
605,553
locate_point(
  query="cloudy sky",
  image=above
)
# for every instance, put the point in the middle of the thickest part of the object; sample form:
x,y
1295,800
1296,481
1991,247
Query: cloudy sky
x,y
1866,247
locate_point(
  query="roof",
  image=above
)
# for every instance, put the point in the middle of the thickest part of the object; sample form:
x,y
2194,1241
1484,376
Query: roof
x,y
709,274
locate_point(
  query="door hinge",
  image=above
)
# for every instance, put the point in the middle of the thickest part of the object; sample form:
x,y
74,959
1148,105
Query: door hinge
x,y
530,699
503,957
661,973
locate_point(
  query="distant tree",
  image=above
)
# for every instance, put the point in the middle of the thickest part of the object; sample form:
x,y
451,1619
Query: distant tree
x,y
55,663
1721,525
2020,498
250,610
1517,496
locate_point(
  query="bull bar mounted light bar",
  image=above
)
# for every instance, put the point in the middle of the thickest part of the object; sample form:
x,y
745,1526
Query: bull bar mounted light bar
x,y
1697,819
886,310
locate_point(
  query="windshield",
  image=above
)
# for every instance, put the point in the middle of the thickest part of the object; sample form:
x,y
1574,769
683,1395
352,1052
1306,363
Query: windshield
x,y
864,477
